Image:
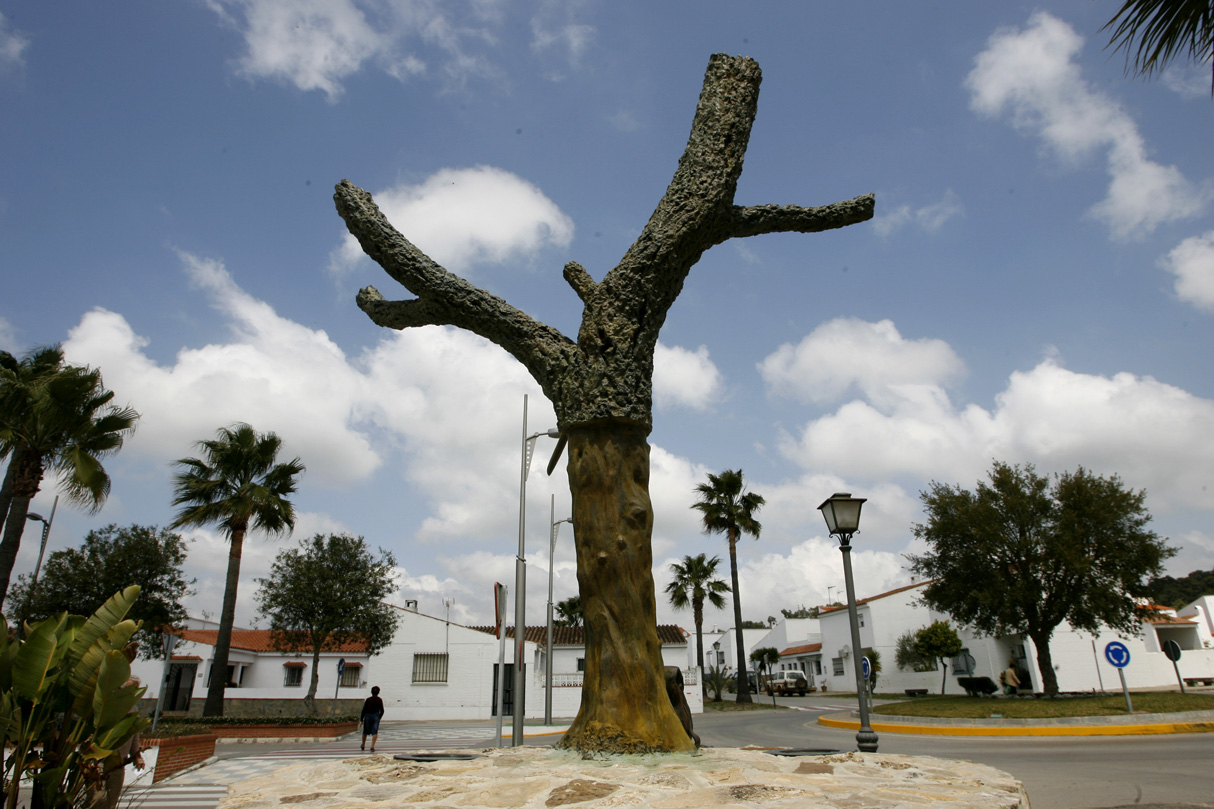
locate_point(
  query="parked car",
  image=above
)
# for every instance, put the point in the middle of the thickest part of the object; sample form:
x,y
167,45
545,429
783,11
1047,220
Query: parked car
x,y
786,682
731,685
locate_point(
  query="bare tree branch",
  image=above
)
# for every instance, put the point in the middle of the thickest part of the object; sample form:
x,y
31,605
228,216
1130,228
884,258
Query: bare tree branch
x,y
759,219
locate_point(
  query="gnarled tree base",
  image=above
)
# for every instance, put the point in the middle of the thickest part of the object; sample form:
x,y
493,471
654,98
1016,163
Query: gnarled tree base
x,y
624,705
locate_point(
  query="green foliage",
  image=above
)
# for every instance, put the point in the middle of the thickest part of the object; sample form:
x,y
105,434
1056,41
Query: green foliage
x,y
1153,33
727,508
1172,592
66,703
940,641
753,625
694,581
1020,554
569,612
874,662
800,612
79,580
715,678
906,654
326,594
764,658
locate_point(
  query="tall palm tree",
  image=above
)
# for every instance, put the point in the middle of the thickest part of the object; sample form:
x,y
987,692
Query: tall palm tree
x,y
238,486
727,508
695,580
569,611
1157,31
57,417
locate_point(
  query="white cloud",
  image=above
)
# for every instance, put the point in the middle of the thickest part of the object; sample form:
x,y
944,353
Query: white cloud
x,y
847,353
318,44
12,47
1192,262
554,26
1154,435
930,217
465,217
1030,76
683,378
1189,81
8,337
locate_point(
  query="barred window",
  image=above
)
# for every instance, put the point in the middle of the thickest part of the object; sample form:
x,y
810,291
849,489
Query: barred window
x,y
351,675
292,675
581,664
837,666
430,668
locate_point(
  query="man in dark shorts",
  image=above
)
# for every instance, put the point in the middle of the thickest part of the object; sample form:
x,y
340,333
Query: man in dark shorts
x,y
373,711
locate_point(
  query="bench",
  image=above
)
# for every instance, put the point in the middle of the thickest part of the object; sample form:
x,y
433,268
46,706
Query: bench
x,y
1198,681
916,692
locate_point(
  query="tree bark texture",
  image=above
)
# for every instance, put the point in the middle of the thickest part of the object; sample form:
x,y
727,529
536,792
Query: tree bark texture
x,y
601,385
1045,662
742,681
218,682
27,478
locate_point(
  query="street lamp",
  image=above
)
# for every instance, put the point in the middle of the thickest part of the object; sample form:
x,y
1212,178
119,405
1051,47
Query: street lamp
x,y
842,513
46,534
520,578
555,528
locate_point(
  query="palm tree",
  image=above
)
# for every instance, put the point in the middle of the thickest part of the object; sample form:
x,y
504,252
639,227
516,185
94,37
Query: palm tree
x,y
58,417
695,579
1157,31
238,486
727,508
569,611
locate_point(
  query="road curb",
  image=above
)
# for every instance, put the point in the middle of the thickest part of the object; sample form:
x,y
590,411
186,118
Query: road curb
x,y
1203,722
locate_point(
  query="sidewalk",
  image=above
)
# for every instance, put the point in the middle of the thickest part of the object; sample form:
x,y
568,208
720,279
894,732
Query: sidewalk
x,y
1142,724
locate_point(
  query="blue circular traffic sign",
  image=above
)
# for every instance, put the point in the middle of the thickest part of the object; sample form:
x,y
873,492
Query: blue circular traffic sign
x,y
341,666
866,667
1117,654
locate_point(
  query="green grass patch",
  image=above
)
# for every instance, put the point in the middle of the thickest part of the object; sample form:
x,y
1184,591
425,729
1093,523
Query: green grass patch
x,y
728,705
1044,707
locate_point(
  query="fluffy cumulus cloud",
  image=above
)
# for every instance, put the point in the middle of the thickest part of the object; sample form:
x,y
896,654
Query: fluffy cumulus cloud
x,y
847,354
1029,75
684,378
466,217
321,44
1192,262
1156,436
930,217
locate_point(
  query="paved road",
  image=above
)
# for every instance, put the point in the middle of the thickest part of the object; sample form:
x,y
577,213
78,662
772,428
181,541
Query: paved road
x,y
1058,772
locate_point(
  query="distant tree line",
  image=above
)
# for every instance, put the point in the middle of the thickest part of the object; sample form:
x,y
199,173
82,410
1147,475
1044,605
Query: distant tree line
x,y
1172,592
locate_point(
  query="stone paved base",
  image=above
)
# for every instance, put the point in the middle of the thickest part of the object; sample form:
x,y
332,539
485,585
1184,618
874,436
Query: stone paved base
x,y
538,777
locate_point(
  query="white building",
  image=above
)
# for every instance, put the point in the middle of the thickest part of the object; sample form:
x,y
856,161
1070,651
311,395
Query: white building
x,y
433,669
1078,657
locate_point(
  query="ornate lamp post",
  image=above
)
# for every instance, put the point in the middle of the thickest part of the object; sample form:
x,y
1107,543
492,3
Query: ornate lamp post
x,y
842,513
555,527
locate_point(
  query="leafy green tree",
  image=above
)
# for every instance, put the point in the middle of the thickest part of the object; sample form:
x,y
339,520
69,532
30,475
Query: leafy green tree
x,y
79,580
326,594
907,656
1153,33
1021,555
727,508
239,486
753,625
800,612
695,581
715,678
764,659
569,612
874,666
58,417
1178,592
938,641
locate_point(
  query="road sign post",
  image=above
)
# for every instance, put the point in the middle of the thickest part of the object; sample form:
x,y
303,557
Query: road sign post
x,y
341,667
866,668
1171,650
499,607
1118,655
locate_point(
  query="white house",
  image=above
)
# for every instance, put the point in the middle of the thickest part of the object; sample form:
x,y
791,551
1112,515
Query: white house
x,y
1078,657
433,669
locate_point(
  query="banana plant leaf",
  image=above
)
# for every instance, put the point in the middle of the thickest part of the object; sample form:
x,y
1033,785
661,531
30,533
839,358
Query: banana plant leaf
x,y
109,615
35,664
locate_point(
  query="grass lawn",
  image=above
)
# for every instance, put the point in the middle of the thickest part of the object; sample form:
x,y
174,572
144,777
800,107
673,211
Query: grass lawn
x,y
727,705
1031,708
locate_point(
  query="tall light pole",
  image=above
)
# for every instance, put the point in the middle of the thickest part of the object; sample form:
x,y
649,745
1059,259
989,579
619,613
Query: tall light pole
x,y
520,579
555,528
46,534
842,513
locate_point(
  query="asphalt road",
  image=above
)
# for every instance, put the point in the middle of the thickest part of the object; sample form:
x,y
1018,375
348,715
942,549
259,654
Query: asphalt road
x,y
1058,772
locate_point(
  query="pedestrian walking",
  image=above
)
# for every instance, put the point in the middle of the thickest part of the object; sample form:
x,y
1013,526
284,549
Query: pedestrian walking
x,y
1010,679
373,711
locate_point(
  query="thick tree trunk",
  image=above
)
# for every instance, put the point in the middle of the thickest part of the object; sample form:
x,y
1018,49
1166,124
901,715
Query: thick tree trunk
x,y
743,681
314,683
26,480
6,489
624,705
223,641
1045,663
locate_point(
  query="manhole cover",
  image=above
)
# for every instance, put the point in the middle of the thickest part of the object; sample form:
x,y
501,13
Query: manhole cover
x,y
436,756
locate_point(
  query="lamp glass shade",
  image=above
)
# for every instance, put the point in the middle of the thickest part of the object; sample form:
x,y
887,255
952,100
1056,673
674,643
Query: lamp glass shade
x,y
842,513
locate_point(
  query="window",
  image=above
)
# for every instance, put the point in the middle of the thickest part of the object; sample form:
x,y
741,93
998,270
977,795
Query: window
x,y
430,668
836,664
581,664
720,658
292,674
351,675
963,664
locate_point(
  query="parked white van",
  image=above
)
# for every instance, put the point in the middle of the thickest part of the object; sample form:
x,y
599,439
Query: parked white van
x,y
786,682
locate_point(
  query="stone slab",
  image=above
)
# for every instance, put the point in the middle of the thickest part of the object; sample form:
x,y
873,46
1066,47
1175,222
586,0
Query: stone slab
x,y
539,778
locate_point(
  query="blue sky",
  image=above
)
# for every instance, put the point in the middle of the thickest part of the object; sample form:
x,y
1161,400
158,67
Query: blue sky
x,y
1037,286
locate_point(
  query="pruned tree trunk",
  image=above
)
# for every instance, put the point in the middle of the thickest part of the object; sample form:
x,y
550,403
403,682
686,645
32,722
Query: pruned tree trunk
x,y
309,699
601,386
1045,662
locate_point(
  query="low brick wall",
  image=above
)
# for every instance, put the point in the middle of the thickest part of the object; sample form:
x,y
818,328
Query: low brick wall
x,y
178,752
283,731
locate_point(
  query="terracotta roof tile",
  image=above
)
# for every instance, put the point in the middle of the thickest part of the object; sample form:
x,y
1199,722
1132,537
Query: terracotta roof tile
x,y
895,591
576,635
255,640
801,650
